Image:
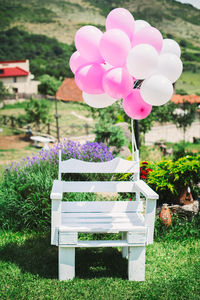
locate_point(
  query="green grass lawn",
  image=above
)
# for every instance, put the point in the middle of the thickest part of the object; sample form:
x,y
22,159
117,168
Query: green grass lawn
x,y
28,270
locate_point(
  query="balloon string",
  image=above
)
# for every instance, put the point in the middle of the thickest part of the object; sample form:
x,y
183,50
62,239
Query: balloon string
x,y
134,145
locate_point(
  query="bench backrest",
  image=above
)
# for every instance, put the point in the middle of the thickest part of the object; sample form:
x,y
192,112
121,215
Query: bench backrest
x,y
116,165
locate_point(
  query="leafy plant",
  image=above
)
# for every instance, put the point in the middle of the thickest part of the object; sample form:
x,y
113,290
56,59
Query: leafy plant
x,y
48,85
37,111
110,135
3,91
26,186
170,178
184,116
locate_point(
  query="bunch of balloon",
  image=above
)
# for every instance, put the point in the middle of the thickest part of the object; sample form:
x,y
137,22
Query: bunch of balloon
x,y
108,66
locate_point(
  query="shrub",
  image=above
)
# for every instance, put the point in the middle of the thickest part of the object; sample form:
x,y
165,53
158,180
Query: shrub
x,y
170,178
26,186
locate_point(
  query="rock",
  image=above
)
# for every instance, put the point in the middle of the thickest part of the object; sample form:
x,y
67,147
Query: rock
x,y
124,151
187,210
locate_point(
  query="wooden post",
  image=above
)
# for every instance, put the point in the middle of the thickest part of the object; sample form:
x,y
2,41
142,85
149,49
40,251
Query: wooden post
x,y
124,249
66,263
87,128
150,218
12,121
48,128
57,117
136,263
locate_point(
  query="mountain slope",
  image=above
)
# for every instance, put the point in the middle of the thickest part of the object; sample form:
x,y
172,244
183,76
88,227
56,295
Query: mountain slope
x,y
60,18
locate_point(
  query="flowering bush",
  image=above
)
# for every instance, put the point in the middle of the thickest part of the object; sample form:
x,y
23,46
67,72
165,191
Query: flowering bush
x,y
26,186
144,171
169,178
96,152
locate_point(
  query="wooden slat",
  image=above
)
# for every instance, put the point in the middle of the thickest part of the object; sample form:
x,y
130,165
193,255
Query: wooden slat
x,y
143,188
109,228
98,215
99,187
117,165
97,220
57,190
101,206
104,243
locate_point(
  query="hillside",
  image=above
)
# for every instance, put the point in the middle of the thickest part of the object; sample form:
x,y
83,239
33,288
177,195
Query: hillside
x,y
43,30
61,19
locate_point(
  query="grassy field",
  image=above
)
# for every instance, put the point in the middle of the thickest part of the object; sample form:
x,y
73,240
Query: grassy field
x,y
28,270
189,82
71,113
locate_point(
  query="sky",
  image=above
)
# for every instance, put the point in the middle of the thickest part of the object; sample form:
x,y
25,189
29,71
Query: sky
x,y
195,3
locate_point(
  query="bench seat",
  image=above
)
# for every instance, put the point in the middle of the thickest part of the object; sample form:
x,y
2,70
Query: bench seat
x,y
129,218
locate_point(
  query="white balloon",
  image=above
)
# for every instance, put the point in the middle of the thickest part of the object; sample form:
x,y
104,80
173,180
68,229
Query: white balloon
x,y
98,101
156,90
140,24
142,61
171,46
170,66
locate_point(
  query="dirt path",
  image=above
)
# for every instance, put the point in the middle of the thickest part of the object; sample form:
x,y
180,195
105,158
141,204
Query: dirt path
x,y
13,142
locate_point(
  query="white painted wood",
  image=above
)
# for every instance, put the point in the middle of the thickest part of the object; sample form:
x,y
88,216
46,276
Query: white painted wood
x,y
139,236
102,206
66,263
59,171
70,218
57,190
69,238
124,249
99,220
101,228
150,218
143,188
99,243
136,263
55,220
99,187
116,165
89,215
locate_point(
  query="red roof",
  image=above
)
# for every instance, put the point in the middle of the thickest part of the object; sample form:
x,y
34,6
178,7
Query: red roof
x,y
10,72
12,61
68,91
177,99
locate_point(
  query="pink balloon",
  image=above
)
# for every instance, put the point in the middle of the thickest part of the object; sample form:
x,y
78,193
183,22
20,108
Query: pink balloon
x,y
87,40
122,19
76,61
89,79
114,47
148,35
117,83
135,107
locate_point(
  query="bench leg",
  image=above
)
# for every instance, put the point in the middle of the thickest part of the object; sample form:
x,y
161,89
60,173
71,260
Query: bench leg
x,y
124,249
136,263
66,263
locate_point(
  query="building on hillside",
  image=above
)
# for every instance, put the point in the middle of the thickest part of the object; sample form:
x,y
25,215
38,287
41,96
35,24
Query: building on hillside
x,y
179,99
16,77
69,91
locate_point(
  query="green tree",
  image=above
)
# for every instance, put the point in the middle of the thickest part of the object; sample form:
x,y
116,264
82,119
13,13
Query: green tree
x,y
184,116
37,112
49,85
3,91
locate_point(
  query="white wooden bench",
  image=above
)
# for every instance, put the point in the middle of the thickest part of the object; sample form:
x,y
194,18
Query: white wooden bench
x,y
125,217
